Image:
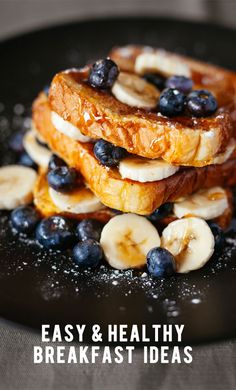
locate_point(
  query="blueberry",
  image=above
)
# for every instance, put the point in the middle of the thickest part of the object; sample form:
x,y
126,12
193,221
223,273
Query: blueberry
x,y
25,219
163,211
103,74
56,162
108,154
218,236
46,89
56,232
182,83
160,262
171,102
16,142
89,228
63,179
155,79
27,161
88,253
201,103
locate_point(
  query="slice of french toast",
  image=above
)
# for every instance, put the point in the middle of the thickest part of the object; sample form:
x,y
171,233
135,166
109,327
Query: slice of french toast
x,y
180,140
123,194
142,59
47,208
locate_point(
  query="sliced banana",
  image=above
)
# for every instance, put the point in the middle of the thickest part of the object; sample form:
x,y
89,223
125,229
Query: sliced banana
x,y
126,240
162,63
206,204
78,202
135,91
190,241
145,170
39,154
67,128
222,157
16,186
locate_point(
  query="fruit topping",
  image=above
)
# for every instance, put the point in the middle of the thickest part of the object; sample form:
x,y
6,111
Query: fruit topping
x,y
56,162
89,228
103,74
108,154
181,83
126,239
190,241
163,211
63,179
27,161
171,102
55,233
155,79
201,103
88,253
160,262
25,219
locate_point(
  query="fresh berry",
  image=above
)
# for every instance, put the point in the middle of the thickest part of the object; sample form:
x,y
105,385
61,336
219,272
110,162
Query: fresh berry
x,y
182,83
88,253
63,179
163,211
27,161
108,154
16,142
160,262
55,233
25,219
218,236
46,89
201,103
89,228
56,162
103,74
171,102
155,79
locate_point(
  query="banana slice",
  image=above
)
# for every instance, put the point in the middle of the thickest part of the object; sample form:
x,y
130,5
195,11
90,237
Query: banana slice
x,y
37,152
145,170
161,63
190,241
126,240
206,204
67,128
222,157
135,91
78,202
16,186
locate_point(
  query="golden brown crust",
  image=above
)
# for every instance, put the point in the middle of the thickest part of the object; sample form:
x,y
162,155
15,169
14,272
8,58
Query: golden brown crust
x,y
98,114
127,195
47,208
221,82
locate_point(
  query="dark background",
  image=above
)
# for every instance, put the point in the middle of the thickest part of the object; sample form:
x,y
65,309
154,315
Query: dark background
x,y
22,15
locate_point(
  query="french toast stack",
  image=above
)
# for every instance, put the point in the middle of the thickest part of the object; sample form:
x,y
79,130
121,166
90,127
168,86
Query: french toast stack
x,y
149,133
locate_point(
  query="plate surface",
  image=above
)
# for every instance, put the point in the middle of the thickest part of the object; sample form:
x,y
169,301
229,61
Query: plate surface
x,y
39,287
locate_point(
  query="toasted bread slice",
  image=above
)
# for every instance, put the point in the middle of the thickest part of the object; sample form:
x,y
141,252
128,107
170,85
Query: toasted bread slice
x,y
123,194
180,140
46,207
220,81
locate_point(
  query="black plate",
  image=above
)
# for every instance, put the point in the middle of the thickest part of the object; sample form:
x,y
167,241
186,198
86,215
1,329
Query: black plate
x,y
37,287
